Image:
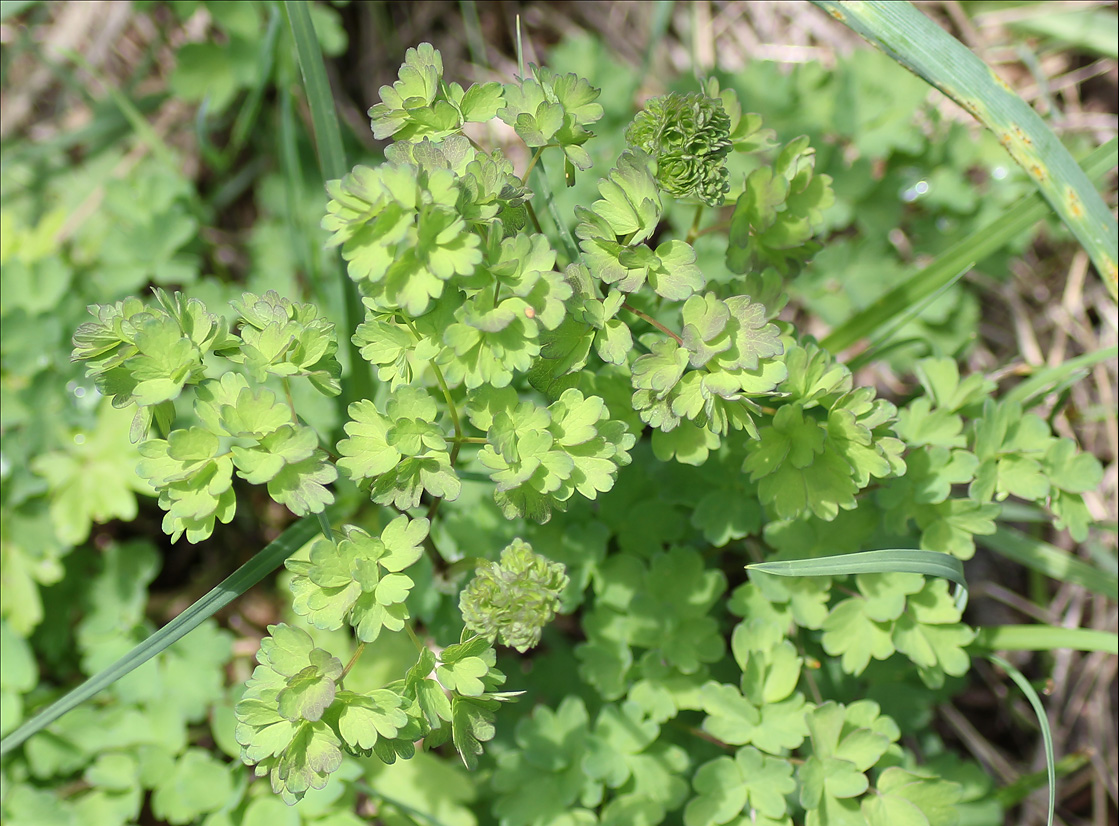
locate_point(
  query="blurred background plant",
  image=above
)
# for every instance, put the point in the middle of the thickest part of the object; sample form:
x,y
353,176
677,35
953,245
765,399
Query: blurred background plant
x,y
169,144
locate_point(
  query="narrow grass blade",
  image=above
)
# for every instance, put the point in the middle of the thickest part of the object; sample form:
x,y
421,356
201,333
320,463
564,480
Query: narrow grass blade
x,y
1054,379
950,265
332,160
1052,561
892,561
1043,638
1027,784
1042,721
658,25
328,137
245,577
1092,30
250,111
916,42
880,341
144,130
473,28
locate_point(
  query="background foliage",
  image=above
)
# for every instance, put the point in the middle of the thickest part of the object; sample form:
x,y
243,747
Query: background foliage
x,y
169,145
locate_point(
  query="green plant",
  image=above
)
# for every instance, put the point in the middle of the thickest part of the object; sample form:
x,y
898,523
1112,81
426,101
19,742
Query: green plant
x,y
512,414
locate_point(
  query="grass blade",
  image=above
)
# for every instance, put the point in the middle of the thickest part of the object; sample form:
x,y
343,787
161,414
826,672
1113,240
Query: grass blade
x,y
916,42
245,577
332,160
1042,721
1091,30
950,266
328,137
1043,638
879,343
1054,379
1052,561
892,561
1027,784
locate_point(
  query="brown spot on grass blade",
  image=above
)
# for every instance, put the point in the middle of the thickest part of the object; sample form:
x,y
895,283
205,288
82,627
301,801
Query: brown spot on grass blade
x,y
1075,207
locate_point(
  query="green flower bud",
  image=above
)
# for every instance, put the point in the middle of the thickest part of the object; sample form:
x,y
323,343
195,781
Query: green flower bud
x,y
515,598
689,138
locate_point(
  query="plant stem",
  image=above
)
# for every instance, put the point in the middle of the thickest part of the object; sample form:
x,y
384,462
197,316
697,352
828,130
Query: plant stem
x,y
412,636
353,661
532,163
291,401
627,306
532,216
452,408
693,233
473,142
708,230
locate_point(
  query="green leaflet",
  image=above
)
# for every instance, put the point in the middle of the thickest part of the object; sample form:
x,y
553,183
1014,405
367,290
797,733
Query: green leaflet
x,y
540,456
420,104
402,451
548,108
780,211
358,578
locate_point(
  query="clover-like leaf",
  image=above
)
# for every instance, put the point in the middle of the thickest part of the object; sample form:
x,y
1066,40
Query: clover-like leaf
x,y
279,718
357,578
402,450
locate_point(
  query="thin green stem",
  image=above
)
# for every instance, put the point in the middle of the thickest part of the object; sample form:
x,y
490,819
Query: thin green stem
x,y
693,233
353,661
473,142
532,163
451,406
291,401
416,641
471,440
533,218
648,318
719,227
324,526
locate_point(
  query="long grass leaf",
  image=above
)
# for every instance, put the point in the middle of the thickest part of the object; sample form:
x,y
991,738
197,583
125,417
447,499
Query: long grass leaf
x,y
245,577
1053,379
891,561
1092,30
1042,721
250,111
324,118
879,344
949,266
1043,638
1027,784
332,160
1052,561
916,42
140,125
